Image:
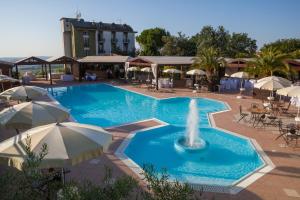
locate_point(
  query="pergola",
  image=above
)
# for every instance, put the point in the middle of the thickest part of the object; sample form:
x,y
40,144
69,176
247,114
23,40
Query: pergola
x,y
93,60
60,60
155,62
32,60
38,61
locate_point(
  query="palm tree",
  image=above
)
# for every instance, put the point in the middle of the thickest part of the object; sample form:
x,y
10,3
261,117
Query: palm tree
x,y
270,60
208,60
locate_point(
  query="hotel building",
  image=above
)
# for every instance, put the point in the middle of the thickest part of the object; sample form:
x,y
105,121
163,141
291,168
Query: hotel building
x,y
82,38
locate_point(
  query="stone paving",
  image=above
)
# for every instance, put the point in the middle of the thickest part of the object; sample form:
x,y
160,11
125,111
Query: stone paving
x,y
281,183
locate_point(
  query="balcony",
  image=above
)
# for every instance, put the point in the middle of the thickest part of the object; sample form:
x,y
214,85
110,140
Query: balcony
x,y
126,40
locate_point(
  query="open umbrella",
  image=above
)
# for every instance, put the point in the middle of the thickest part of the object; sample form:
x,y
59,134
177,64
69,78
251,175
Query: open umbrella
x,y
23,93
196,72
133,69
293,91
240,75
68,143
172,71
4,78
148,70
31,114
271,85
285,82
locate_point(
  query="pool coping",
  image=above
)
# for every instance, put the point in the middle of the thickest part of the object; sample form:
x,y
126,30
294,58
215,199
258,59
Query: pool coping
x,y
237,186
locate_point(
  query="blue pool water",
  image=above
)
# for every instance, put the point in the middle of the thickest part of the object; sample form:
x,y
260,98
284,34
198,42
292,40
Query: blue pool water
x,y
226,159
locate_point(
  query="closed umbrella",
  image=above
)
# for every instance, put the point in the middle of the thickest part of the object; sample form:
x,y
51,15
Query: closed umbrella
x,y
68,143
23,93
31,114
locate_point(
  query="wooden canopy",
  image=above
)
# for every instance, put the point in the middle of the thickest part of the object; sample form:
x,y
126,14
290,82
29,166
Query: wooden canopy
x,y
32,60
61,60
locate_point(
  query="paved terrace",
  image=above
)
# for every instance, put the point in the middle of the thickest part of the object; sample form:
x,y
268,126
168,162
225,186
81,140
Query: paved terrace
x,y
281,183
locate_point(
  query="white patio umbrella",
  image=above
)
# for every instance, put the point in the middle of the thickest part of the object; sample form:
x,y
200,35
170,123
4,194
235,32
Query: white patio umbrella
x,y
196,72
241,75
148,70
31,114
271,85
285,82
293,91
4,78
23,93
133,69
67,143
172,71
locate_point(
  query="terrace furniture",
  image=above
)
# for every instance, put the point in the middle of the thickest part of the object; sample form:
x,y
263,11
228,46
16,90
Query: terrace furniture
x,y
285,109
243,115
289,133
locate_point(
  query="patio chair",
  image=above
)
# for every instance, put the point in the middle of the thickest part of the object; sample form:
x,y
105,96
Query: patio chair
x,y
243,115
289,134
285,109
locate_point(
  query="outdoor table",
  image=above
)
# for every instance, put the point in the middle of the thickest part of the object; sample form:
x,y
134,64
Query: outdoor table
x,y
256,113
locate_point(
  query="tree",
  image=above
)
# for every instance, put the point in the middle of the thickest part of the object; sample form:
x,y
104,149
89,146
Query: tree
x,y
180,45
151,41
209,60
215,38
241,46
269,61
228,45
284,45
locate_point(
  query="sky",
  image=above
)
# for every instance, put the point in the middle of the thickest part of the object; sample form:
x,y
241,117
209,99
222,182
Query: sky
x,y
32,27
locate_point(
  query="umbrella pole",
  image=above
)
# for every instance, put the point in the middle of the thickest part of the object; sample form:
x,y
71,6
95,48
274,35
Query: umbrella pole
x,y
63,175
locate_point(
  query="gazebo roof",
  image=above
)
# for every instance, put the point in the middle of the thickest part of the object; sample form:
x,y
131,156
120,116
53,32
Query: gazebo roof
x,y
8,64
32,60
61,60
164,60
104,59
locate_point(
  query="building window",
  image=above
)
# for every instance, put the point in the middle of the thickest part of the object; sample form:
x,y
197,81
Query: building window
x,y
113,37
86,52
125,46
125,37
100,36
101,48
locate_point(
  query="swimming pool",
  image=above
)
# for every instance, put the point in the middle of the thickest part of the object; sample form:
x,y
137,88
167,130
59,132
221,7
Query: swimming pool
x,y
104,105
227,159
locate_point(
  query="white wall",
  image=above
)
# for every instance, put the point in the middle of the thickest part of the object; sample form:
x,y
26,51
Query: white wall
x,y
120,36
107,41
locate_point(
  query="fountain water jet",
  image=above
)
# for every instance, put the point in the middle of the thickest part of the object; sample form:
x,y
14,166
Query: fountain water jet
x,y
192,140
192,132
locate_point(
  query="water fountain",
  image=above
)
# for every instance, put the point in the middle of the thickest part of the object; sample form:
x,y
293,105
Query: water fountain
x,y
192,140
